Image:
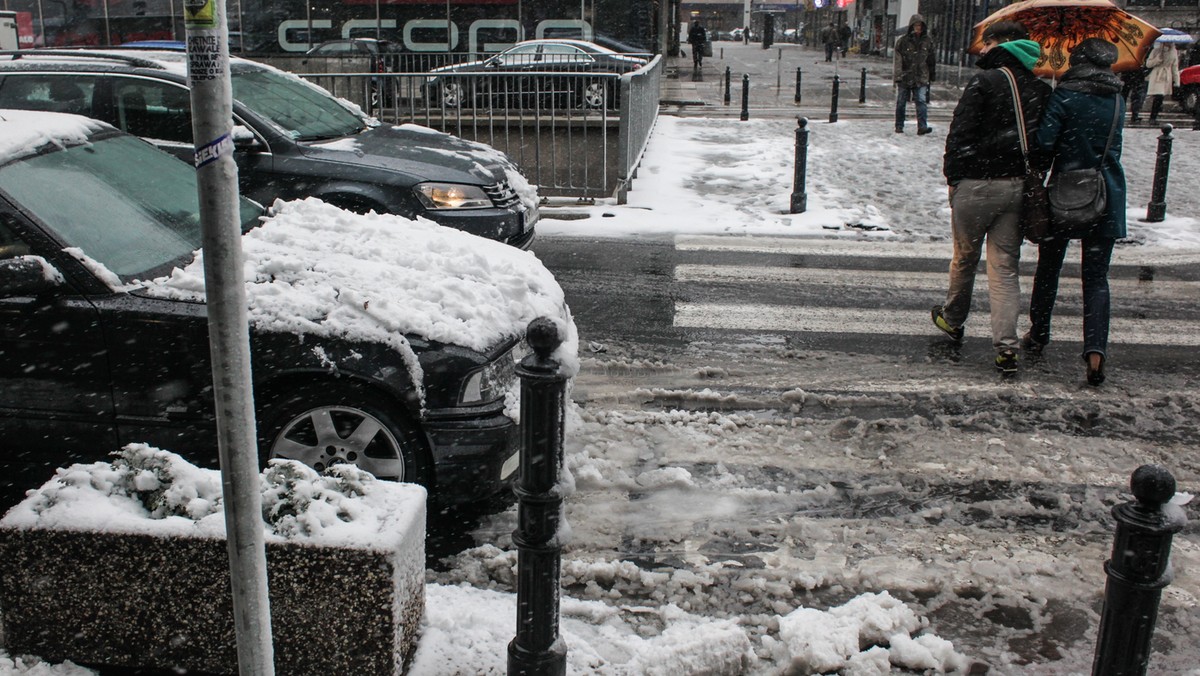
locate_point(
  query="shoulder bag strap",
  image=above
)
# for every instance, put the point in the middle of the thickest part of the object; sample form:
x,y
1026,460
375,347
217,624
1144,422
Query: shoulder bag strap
x,y
1112,131
1012,84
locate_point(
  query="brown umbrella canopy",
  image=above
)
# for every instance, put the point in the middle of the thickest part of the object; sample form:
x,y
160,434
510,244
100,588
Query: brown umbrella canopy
x,y
1059,25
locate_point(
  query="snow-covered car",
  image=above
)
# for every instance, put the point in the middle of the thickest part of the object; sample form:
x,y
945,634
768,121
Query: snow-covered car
x,y
551,73
376,340
292,139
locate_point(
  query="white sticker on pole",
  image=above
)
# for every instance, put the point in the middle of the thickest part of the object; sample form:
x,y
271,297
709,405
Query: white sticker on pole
x,y
212,151
206,61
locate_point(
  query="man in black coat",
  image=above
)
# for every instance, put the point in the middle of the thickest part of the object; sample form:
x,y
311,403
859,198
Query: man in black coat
x,y
913,67
985,168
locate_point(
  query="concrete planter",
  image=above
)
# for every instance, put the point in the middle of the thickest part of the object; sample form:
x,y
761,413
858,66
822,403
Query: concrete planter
x,y
145,599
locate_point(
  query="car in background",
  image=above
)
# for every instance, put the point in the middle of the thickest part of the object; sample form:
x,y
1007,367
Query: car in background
x,y
292,139
1188,92
103,346
549,73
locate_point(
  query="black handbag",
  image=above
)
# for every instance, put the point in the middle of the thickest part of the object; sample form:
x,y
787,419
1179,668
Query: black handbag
x,y
1035,200
1079,198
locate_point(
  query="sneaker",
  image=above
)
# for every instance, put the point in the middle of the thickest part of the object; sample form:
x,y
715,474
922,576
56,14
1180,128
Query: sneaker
x,y
924,130
955,332
1006,362
899,130
1031,346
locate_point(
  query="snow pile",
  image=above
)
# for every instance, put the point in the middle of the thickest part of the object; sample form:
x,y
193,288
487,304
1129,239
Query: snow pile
x,y
34,666
313,268
26,131
852,637
151,491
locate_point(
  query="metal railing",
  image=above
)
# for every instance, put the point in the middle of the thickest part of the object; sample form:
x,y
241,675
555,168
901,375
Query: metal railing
x,y
573,134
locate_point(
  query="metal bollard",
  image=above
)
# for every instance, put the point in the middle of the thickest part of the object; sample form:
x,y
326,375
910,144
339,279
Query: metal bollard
x,y
862,86
799,196
798,76
1196,118
727,76
833,103
1137,572
1157,209
745,97
538,650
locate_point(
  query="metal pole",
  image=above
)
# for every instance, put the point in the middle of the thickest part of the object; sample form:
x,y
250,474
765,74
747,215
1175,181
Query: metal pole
x,y
727,83
745,97
799,196
1156,211
798,76
833,103
862,86
779,71
1137,572
1196,116
107,29
538,650
228,331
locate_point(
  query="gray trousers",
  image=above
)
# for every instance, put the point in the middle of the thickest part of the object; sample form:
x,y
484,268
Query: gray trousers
x,y
987,210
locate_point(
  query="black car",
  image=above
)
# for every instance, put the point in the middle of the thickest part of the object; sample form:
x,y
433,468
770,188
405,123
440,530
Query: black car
x,y
551,73
292,139
93,356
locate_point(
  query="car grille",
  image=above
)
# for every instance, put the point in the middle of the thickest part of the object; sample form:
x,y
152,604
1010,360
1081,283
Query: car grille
x,y
502,194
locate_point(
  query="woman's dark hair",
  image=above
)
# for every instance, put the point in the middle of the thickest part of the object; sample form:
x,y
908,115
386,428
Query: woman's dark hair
x,y
1005,31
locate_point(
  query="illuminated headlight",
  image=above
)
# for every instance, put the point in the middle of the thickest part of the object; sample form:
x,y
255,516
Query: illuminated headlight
x,y
452,196
490,382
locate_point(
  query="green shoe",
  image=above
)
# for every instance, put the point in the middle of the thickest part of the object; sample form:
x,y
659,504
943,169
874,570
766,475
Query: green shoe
x,y
1006,362
955,332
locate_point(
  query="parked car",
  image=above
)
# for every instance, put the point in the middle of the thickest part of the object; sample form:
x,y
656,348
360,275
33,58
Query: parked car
x,y
1188,92
293,138
105,337
549,73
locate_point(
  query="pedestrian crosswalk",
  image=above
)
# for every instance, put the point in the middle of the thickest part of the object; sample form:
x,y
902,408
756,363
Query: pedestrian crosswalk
x,y
828,276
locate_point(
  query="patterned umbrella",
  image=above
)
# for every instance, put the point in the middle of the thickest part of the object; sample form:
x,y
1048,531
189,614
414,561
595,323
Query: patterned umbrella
x,y
1059,25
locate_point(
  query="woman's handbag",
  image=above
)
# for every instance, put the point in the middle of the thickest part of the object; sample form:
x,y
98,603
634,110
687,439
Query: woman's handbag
x,y
1078,198
1035,200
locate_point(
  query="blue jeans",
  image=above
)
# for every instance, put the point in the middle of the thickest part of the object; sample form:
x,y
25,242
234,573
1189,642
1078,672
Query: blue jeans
x,y
1097,252
918,94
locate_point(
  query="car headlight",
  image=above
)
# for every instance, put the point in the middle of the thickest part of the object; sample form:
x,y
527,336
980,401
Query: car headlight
x,y
490,382
452,196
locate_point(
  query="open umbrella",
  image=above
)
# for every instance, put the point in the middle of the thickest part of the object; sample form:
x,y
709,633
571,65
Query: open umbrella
x,y
1174,36
1059,25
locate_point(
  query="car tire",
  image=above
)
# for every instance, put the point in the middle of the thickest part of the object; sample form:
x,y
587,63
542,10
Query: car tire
x,y
453,95
331,423
595,95
1190,99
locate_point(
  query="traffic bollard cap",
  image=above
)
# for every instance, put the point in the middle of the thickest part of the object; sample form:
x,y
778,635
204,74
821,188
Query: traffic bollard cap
x,y
1152,484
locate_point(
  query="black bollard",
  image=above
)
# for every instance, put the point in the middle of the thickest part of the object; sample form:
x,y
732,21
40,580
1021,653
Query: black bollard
x,y
799,197
862,87
1137,572
727,76
833,103
1196,114
798,75
745,97
537,649
1157,209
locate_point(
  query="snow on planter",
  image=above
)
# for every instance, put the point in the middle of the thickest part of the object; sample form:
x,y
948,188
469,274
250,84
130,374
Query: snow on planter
x,y
125,564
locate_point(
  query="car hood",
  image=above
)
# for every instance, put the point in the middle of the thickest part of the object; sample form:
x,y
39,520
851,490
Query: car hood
x,y
417,151
313,269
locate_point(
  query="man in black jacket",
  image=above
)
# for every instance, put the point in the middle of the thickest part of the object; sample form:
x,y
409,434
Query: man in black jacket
x,y
913,68
985,169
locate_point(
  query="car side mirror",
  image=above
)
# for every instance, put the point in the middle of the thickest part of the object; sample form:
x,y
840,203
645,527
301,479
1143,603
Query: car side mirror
x,y
245,140
27,276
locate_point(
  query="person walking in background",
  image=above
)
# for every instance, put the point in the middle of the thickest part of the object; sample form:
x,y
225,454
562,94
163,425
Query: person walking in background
x,y
913,68
844,34
1133,90
985,169
697,38
1084,111
829,40
1163,63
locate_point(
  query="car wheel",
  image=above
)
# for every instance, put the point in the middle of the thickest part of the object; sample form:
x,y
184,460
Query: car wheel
x,y
595,95
1191,99
328,425
453,94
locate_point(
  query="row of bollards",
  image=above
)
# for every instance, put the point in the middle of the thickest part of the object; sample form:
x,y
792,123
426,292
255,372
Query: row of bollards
x,y
1137,572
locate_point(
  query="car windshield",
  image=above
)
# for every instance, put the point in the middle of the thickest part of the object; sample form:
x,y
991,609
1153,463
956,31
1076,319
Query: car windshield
x,y
126,205
304,111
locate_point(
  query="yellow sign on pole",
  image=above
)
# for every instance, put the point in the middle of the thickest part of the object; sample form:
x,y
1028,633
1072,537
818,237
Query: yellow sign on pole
x,y
200,13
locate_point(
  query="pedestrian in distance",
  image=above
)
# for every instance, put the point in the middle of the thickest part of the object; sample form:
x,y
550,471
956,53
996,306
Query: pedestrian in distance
x,y
1083,118
1163,63
829,40
985,169
1133,90
844,34
697,38
913,68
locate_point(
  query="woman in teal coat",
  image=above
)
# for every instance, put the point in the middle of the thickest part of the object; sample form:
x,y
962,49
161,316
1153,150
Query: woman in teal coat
x,y
1075,127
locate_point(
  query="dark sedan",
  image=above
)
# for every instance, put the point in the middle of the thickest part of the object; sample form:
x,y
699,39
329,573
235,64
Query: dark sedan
x,y
292,139
104,337
548,73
